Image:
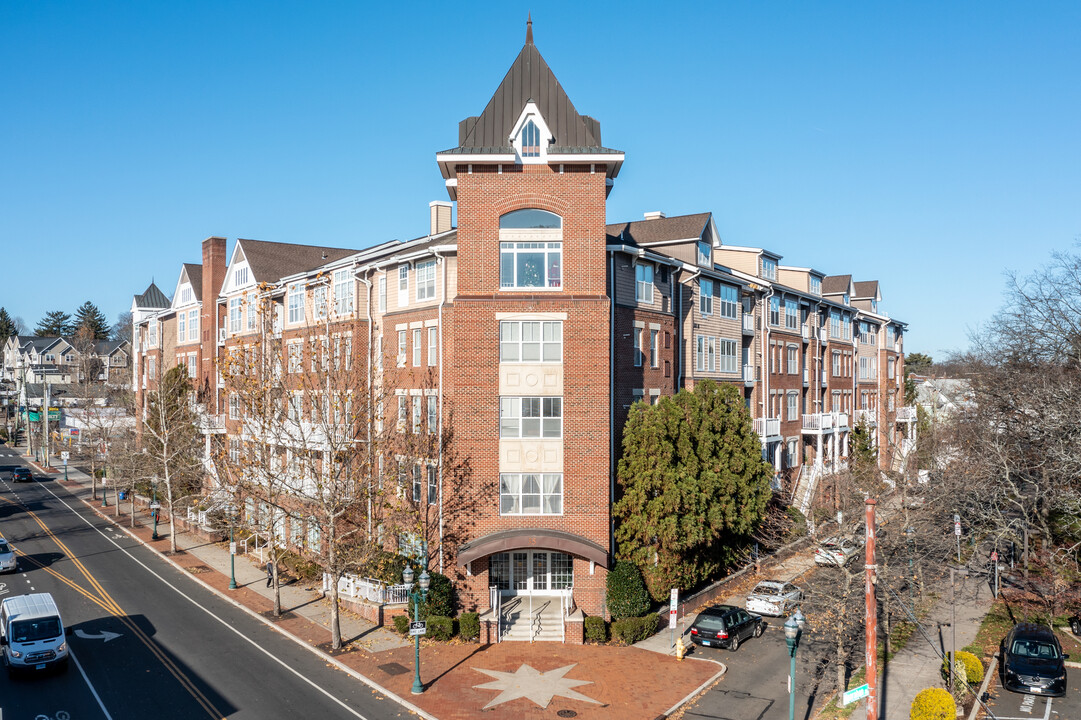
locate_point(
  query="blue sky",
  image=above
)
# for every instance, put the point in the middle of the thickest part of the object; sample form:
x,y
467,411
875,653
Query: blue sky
x,y
931,146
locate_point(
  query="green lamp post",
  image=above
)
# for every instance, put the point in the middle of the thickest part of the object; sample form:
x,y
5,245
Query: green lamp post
x,y
793,631
154,511
418,595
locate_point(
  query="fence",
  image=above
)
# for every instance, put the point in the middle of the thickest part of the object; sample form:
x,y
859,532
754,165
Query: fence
x,y
370,589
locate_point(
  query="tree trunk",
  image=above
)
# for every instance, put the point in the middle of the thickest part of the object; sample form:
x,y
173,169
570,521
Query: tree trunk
x,y
132,519
172,516
277,588
335,617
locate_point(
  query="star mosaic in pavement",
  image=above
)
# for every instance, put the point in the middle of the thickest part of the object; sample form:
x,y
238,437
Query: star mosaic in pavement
x,y
540,687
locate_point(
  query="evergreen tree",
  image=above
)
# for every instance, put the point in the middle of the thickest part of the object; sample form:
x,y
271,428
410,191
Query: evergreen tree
x,y
7,325
694,486
88,316
55,323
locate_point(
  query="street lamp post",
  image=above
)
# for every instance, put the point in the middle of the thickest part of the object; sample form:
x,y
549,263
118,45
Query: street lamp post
x,y
104,485
793,631
418,595
232,559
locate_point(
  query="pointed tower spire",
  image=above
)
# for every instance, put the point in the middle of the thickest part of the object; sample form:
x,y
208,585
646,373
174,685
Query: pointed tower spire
x,y
529,29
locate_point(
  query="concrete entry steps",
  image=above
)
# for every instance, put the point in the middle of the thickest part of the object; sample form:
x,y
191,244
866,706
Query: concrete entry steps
x,y
545,624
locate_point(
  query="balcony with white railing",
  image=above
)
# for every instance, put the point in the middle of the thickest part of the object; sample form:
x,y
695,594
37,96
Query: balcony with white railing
x,y
867,417
767,427
819,422
906,414
748,323
805,332
842,421
748,374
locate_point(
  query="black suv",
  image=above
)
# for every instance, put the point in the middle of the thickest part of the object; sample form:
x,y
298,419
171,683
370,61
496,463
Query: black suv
x,y
725,626
21,474
1032,661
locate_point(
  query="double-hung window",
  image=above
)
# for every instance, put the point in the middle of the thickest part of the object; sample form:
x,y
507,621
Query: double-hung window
x,y
889,368
418,346
793,406
775,310
433,485
727,356
530,494
383,294
426,280
653,337
296,303
769,268
705,253
637,336
643,283
296,356
416,414
836,364
729,301
401,348
343,292
433,414
835,324
705,296
530,341
433,345
531,417
417,483
816,285
531,265
791,314
792,361
403,412
252,307
234,314
193,325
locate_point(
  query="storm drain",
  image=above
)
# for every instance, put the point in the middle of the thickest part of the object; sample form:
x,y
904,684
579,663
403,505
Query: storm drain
x,y
394,669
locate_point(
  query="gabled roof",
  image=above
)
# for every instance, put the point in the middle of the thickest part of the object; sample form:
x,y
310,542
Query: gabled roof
x,y
152,297
865,289
271,261
836,284
529,79
660,230
194,272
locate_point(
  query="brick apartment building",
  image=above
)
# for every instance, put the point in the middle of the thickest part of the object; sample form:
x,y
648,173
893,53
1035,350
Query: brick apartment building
x,y
526,332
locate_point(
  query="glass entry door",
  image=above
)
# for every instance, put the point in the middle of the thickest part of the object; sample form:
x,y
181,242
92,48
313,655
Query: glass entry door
x,y
532,572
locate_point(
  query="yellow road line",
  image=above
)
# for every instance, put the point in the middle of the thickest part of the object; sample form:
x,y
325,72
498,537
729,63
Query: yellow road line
x,y
107,603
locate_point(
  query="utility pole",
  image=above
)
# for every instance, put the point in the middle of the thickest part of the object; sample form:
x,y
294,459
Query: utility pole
x,y
45,426
870,650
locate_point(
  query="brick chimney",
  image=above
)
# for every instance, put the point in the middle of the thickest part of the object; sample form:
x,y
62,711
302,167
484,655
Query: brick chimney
x,y
440,216
214,267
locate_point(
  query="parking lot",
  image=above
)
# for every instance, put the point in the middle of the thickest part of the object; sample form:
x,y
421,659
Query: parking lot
x,y
1008,705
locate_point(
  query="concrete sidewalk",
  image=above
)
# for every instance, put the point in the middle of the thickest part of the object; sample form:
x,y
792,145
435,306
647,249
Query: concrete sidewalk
x,y
918,665
535,679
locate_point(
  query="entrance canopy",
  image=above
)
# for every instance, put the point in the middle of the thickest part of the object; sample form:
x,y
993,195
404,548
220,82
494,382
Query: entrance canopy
x,y
533,539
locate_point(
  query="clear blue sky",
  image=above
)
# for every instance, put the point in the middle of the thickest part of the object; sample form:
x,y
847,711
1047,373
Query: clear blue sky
x,y
929,145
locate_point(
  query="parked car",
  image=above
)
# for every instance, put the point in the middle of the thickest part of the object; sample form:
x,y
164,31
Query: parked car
x,y
1033,661
725,626
774,597
835,551
21,474
7,557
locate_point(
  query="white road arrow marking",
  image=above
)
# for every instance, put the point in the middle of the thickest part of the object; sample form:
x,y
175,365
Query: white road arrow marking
x,y
105,635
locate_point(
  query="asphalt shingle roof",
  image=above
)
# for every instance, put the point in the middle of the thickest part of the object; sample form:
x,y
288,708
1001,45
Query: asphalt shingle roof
x,y
271,261
195,277
649,232
834,284
865,289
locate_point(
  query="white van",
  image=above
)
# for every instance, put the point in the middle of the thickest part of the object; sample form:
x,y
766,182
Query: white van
x,y
32,634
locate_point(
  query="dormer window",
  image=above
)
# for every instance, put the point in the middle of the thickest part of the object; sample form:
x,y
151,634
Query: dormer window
x,y
769,268
530,140
705,254
874,305
816,285
846,298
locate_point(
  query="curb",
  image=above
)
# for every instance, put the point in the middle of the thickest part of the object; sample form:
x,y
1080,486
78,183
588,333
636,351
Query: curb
x,y
976,706
240,606
694,693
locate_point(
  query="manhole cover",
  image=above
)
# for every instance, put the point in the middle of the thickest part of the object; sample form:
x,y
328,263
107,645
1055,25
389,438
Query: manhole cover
x,y
567,713
398,669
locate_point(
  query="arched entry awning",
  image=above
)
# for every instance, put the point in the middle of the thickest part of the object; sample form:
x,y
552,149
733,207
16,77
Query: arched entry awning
x,y
532,539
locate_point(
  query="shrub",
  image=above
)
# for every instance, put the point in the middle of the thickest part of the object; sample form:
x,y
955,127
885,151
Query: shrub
x,y
440,628
596,630
440,600
960,672
799,522
628,631
627,595
972,665
401,624
387,566
933,704
469,625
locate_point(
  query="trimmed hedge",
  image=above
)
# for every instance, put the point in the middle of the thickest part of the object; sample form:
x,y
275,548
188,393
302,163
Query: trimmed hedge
x,y
933,704
596,630
440,601
440,627
628,631
401,624
469,626
627,594
971,663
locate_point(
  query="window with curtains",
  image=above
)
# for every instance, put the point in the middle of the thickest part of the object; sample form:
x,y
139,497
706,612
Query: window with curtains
x,y
530,494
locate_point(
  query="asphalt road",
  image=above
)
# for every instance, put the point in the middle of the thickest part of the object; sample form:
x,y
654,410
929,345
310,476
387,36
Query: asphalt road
x,y
149,640
1008,705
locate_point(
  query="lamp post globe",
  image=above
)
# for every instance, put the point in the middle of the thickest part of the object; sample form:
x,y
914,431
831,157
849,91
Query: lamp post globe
x,y
407,575
424,581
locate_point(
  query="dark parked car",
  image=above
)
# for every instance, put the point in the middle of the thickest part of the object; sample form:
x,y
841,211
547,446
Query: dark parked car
x,y
1033,661
725,626
21,474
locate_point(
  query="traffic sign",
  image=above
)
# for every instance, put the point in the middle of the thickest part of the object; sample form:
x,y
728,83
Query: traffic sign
x,y
155,506
232,548
65,455
418,628
855,694
957,529
672,608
